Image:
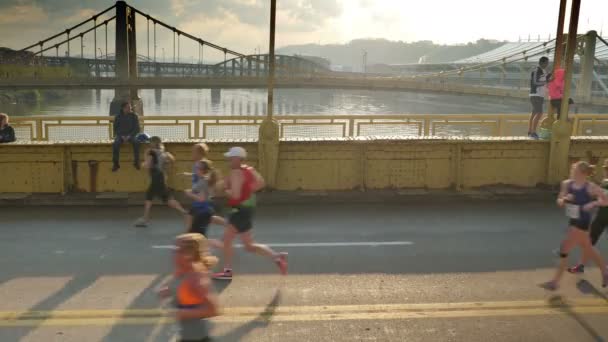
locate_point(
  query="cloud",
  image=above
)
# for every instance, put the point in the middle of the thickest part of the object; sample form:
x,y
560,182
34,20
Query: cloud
x,y
81,15
22,13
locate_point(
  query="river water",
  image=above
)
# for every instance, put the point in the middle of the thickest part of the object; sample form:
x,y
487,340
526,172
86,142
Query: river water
x,y
287,102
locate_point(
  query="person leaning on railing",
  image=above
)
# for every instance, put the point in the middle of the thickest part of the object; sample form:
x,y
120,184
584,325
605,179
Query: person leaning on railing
x,y
7,133
556,91
126,128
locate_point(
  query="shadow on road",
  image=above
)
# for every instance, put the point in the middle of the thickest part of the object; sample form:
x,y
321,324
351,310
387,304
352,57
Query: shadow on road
x,y
75,285
119,333
261,321
586,287
559,302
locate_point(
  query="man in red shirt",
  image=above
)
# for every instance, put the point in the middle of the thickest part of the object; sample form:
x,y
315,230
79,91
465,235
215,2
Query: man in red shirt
x,y
241,185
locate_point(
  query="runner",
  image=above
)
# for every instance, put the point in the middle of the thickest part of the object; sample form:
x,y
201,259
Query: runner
x,y
599,224
241,186
202,212
199,153
190,288
576,195
156,161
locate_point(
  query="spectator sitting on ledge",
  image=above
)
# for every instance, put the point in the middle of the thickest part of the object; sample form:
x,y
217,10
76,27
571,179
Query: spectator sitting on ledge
x,y
7,133
126,127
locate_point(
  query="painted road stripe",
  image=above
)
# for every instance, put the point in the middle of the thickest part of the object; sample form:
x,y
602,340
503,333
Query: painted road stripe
x,y
318,244
312,313
313,317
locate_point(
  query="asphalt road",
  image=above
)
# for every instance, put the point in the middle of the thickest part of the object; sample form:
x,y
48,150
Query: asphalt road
x,y
458,270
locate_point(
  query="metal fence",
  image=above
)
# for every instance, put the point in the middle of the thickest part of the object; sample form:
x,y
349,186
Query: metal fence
x,y
83,128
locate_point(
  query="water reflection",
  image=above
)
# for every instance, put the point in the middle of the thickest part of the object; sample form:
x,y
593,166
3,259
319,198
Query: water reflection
x,y
287,101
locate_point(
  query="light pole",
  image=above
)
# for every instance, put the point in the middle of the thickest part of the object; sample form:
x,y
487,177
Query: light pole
x,y
268,142
273,16
163,54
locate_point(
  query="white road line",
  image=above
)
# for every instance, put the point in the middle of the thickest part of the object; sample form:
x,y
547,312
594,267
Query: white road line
x,y
319,244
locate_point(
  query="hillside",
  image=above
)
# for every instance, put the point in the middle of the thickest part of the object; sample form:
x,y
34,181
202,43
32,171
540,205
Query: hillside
x,y
382,51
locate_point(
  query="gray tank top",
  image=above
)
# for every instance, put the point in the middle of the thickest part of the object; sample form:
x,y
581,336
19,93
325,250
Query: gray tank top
x,y
190,329
159,160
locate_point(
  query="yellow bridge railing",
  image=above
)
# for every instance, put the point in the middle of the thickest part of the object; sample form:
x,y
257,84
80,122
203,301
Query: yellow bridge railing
x,y
80,128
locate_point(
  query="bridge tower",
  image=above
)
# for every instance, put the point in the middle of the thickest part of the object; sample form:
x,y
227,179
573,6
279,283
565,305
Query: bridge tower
x,y
126,59
559,161
584,88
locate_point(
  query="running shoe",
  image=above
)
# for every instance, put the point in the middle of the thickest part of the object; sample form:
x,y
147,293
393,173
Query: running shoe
x,y
534,136
580,268
141,223
226,274
550,286
281,261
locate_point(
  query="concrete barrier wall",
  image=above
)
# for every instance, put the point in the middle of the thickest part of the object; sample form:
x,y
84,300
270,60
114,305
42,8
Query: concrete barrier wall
x,y
433,164
337,164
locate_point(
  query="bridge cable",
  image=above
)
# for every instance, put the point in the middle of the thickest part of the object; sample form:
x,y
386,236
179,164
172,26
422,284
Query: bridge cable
x,y
95,41
148,37
187,35
67,31
106,27
502,61
154,42
77,36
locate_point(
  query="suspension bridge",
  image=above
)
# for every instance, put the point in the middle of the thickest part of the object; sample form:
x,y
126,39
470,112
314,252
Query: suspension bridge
x,y
502,72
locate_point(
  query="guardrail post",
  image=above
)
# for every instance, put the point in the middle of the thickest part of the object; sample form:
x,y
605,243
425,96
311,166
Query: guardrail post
x,y
498,127
351,128
39,130
427,127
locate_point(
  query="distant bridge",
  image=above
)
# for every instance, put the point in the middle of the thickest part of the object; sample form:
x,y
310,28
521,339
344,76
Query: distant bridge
x,y
252,65
500,73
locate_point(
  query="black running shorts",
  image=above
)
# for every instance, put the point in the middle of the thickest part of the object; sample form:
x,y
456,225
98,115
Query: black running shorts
x,y
241,218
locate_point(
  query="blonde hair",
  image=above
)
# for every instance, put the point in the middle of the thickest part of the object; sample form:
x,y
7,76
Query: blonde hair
x,y
196,245
4,117
211,172
585,168
202,149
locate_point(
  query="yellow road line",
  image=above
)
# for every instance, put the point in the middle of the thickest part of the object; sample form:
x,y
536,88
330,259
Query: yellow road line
x,y
12,315
311,313
312,317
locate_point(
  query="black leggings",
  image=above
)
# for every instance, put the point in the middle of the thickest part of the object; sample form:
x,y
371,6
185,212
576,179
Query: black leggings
x,y
597,228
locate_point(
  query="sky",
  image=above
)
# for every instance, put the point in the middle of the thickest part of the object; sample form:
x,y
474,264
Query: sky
x,y
242,25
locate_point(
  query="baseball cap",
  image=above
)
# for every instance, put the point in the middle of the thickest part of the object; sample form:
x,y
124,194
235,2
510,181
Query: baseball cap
x,y
236,152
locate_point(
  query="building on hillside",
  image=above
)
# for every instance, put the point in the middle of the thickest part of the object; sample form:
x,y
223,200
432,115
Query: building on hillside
x,y
9,56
